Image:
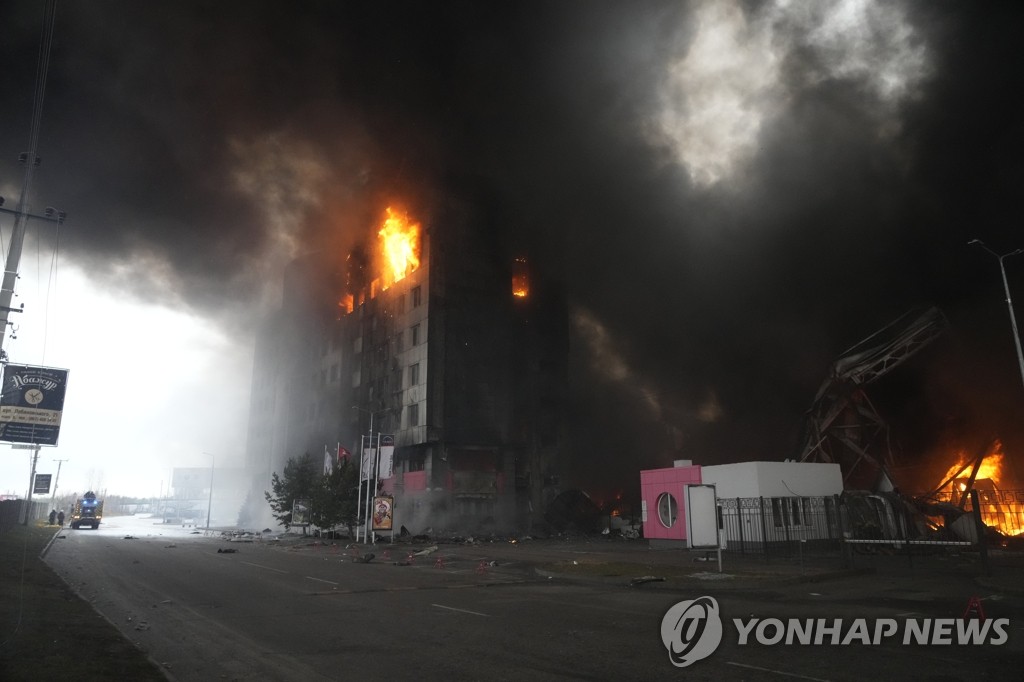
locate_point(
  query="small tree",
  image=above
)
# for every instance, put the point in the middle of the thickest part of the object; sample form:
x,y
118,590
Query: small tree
x,y
335,502
333,497
300,479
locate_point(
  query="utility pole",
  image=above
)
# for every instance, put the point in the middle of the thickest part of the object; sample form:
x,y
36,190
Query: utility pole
x,y
31,161
53,498
31,484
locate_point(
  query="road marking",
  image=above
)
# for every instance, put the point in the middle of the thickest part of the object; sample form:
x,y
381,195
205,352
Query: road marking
x,y
321,580
277,570
777,672
452,608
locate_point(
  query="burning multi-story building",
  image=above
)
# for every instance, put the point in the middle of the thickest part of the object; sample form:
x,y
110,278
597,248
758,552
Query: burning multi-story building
x,y
433,333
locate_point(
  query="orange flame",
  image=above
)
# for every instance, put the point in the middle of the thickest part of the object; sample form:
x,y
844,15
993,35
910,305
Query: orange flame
x,y
400,243
520,279
999,509
991,469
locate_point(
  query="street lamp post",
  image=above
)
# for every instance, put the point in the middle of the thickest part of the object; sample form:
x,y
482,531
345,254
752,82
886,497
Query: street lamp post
x,y
1009,301
209,502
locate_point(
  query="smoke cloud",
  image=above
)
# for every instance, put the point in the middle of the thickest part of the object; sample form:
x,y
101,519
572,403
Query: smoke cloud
x,y
732,192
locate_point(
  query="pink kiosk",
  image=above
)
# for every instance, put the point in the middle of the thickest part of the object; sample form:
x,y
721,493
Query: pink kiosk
x,y
662,506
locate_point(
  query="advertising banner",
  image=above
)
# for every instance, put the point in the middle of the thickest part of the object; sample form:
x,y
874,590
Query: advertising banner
x,y
42,483
387,456
369,457
383,512
32,404
300,512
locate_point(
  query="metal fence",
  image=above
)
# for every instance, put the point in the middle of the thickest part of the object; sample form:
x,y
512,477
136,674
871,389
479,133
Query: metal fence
x,y
1000,509
865,522
781,526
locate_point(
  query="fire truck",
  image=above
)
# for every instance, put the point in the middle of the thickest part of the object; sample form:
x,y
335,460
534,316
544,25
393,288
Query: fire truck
x,y
88,511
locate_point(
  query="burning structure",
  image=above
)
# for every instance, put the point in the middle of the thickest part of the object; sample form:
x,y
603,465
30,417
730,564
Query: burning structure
x,y
844,427
433,333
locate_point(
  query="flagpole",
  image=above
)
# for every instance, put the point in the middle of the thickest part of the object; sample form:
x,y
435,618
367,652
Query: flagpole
x,y
376,476
359,496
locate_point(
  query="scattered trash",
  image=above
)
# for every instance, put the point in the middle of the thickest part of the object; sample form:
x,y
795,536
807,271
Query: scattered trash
x,y
645,579
227,551
143,625
129,537
427,551
439,563
170,546
166,601
365,559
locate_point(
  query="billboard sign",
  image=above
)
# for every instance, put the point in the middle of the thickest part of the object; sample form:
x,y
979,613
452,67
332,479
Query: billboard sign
x,y
42,483
701,517
32,404
383,512
300,512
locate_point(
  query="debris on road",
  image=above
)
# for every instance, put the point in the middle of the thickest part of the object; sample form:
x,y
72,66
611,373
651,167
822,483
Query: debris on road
x,y
170,546
365,559
645,579
426,552
226,551
129,537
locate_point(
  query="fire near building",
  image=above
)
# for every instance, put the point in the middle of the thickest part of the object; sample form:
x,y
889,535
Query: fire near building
x,y
432,333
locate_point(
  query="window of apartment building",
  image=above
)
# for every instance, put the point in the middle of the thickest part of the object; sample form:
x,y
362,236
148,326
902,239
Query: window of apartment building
x,y
401,303
355,378
399,338
414,414
414,374
417,297
414,333
416,463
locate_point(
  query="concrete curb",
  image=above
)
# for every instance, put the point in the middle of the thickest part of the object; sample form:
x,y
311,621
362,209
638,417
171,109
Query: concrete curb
x,y
46,548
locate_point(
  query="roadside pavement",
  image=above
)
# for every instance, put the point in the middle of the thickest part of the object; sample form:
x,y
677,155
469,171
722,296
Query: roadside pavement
x,y
614,560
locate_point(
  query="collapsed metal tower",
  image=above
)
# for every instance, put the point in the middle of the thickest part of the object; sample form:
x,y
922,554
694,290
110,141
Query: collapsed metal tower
x,y
842,425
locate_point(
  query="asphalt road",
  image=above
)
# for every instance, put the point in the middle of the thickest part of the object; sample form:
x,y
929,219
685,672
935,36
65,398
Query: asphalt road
x,y
273,612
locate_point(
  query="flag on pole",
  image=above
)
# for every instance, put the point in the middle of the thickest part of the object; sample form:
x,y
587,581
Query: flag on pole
x,y
343,453
369,455
328,462
387,456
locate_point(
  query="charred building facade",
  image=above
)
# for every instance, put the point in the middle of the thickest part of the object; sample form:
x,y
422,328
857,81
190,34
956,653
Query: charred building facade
x,y
444,340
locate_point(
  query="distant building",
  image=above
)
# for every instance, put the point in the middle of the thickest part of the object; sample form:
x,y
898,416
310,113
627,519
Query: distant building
x,y
455,348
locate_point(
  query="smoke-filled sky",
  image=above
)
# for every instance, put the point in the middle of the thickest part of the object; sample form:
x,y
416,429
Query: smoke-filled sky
x,y
733,193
